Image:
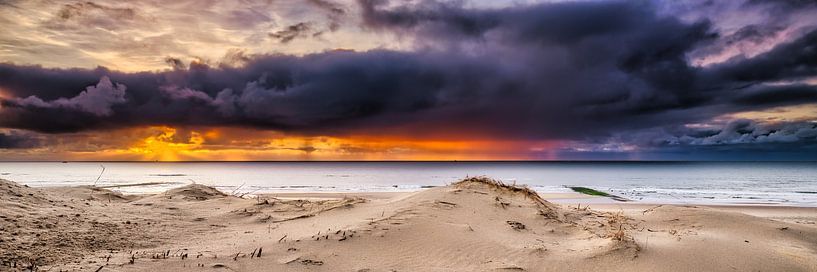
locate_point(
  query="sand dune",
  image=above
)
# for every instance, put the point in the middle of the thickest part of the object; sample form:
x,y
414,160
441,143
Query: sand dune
x,y
473,225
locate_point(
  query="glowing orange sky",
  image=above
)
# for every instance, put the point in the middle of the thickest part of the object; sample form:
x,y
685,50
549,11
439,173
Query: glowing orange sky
x,y
163,143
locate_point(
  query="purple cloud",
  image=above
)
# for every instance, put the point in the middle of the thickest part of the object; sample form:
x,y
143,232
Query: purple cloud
x,y
96,100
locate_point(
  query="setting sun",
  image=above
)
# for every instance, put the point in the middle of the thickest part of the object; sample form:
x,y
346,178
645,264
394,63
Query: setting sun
x,y
165,147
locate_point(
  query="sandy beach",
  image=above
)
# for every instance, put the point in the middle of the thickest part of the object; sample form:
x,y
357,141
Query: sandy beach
x,y
472,225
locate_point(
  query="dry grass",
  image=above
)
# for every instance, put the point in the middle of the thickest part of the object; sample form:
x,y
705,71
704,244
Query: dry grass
x,y
501,186
619,235
617,218
305,208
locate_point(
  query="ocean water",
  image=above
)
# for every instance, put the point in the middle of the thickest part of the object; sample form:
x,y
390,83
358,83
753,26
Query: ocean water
x,y
784,183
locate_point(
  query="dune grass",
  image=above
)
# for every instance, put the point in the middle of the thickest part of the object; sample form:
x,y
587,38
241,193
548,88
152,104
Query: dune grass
x,y
546,209
497,184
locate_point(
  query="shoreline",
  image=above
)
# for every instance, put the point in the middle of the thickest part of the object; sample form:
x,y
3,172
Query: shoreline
x,y
566,198
730,183
558,197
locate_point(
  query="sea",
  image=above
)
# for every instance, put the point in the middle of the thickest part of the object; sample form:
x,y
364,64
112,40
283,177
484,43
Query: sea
x,y
777,183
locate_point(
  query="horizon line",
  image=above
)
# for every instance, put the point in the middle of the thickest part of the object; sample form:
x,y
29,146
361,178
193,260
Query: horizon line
x,y
388,161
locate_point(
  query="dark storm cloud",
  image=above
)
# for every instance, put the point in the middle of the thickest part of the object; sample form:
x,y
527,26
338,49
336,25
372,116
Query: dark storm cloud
x,y
785,4
778,95
96,100
753,33
736,132
447,17
16,140
743,136
557,23
736,140
750,35
619,40
788,61
571,70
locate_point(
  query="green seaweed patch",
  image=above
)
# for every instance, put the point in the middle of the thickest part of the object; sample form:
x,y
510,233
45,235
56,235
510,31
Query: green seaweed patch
x,y
588,191
593,192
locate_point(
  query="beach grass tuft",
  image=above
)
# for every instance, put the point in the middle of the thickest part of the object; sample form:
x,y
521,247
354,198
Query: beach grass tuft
x,y
496,184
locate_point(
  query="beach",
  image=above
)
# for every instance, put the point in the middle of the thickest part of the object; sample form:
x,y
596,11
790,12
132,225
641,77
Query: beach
x,y
473,225
428,135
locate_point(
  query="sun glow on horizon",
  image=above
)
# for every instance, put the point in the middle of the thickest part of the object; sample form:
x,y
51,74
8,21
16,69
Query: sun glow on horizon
x,y
162,146
165,143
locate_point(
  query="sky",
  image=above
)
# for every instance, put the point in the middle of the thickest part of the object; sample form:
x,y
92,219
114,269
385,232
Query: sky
x,y
408,80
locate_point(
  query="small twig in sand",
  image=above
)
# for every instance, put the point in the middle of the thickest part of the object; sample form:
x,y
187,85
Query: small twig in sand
x,y
100,174
282,238
651,209
91,194
501,203
346,203
236,189
311,262
249,193
579,207
446,203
